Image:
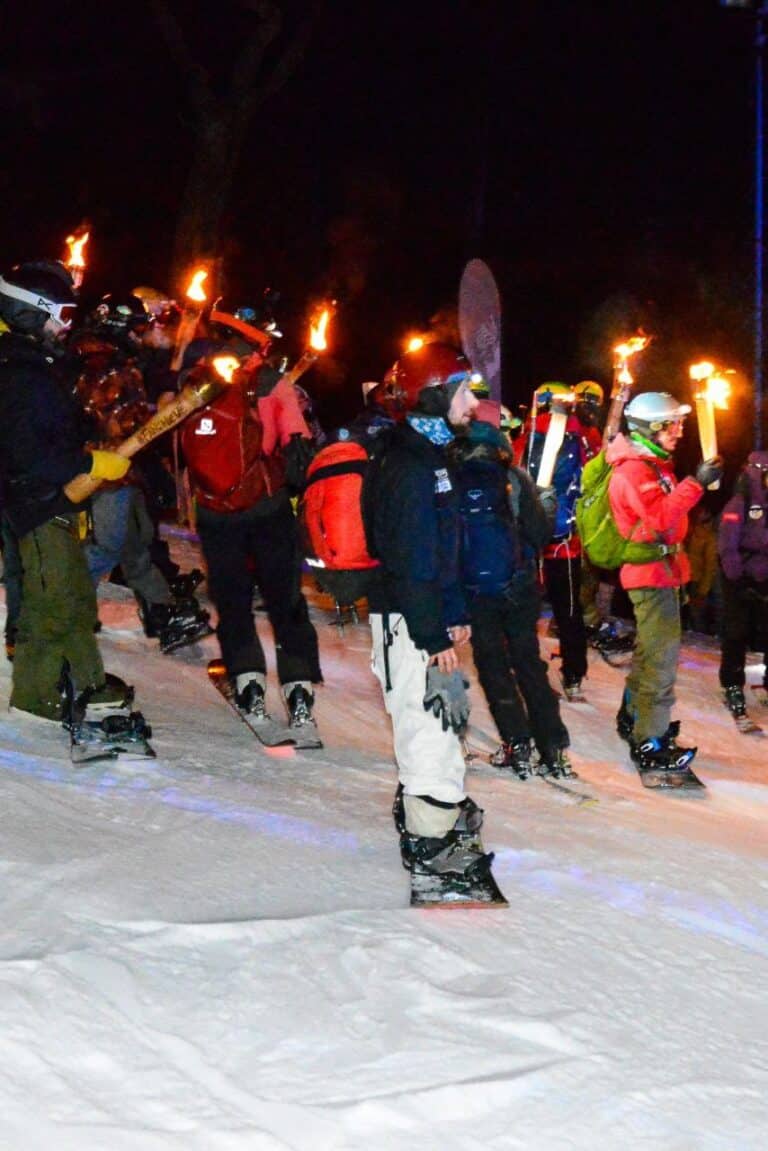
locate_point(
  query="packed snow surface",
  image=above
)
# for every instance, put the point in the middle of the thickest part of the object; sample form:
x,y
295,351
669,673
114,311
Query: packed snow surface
x,y
214,951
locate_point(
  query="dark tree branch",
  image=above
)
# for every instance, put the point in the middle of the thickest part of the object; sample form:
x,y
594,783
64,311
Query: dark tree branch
x,y
198,77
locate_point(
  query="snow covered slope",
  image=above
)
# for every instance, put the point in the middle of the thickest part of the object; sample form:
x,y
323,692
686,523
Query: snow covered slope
x,y
214,951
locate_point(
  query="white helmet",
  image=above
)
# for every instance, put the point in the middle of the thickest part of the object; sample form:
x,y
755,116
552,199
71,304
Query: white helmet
x,y
651,411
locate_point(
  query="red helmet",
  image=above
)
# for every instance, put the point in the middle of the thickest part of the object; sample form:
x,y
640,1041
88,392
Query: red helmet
x,y
431,366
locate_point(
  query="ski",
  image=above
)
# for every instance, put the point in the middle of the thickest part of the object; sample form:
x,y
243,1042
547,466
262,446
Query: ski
x,y
582,798
268,731
747,725
480,324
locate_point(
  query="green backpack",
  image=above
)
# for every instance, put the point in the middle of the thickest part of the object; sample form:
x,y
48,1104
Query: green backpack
x,y
600,538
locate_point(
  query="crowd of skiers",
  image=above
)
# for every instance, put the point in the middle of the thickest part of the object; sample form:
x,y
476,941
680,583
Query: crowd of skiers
x,y
461,539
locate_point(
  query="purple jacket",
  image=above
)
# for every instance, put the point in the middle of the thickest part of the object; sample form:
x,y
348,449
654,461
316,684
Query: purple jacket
x,y
743,536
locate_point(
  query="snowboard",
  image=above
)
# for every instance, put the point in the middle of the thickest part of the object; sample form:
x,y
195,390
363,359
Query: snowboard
x,y
103,730
475,890
480,323
268,731
680,778
118,736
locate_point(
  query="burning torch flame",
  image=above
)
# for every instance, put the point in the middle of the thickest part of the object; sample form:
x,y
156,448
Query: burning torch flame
x,y
317,332
630,347
195,290
76,245
623,353
226,366
414,344
716,388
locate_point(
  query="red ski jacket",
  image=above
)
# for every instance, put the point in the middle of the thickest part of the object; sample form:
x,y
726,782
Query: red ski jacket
x,y
649,505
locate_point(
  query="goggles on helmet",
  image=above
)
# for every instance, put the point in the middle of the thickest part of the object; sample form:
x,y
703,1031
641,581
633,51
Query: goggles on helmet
x,y
63,314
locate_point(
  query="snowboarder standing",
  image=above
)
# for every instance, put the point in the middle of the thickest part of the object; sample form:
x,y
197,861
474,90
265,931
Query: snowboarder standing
x,y
648,505
505,525
418,619
743,548
41,448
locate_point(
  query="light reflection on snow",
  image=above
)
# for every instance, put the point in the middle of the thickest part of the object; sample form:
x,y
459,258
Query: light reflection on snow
x,y
270,823
684,908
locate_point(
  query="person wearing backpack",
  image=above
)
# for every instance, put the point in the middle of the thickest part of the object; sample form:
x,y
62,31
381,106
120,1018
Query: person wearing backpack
x,y
743,549
650,507
506,522
418,619
561,563
244,451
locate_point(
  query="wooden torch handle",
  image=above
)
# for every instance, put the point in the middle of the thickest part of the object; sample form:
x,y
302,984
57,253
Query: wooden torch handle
x,y
189,399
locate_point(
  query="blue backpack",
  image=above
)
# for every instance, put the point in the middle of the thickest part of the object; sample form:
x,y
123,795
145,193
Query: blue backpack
x,y
491,543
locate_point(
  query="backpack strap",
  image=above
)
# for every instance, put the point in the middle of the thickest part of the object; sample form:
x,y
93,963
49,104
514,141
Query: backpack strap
x,y
344,468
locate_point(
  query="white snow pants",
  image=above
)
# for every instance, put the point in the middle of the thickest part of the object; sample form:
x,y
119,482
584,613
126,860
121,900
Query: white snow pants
x,y
429,760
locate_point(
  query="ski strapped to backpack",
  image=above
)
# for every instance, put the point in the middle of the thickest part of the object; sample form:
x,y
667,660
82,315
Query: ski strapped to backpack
x,y
600,538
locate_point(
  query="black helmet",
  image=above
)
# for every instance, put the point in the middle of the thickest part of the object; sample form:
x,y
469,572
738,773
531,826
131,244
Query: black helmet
x,y
34,292
122,312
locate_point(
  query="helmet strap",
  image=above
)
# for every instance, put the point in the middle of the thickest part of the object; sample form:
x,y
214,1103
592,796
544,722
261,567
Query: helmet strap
x,y
657,449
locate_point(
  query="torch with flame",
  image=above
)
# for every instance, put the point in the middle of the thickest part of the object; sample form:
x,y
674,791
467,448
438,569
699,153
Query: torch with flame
x,y
194,302
622,381
713,392
196,394
75,259
318,342
560,409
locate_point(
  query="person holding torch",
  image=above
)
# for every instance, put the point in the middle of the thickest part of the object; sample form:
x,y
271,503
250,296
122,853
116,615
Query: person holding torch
x,y
41,449
650,507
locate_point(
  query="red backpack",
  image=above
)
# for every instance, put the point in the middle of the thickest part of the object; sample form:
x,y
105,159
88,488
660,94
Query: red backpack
x,y
222,446
330,514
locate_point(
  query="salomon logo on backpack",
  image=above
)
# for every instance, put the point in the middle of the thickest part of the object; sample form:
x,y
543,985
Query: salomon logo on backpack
x,y
222,446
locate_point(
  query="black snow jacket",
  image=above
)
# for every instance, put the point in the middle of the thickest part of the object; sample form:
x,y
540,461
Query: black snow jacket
x,y
41,435
412,525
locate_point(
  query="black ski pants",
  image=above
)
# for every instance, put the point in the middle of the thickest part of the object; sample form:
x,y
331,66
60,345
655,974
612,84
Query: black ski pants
x,y
744,624
258,546
562,580
505,645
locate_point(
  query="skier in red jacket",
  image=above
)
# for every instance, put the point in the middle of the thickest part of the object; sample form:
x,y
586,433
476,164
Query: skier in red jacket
x,y
650,506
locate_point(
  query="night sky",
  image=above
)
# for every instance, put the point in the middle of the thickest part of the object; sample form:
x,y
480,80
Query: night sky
x,y
599,155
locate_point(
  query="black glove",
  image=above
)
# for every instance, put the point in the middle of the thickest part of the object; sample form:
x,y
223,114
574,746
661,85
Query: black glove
x,y
710,472
548,500
298,453
446,697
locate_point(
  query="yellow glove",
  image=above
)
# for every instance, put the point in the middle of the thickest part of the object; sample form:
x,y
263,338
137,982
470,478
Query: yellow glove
x,y
108,465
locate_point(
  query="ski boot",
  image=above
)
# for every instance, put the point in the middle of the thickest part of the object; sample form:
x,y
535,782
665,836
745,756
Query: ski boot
x,y
555,764
249,698
111,698
572,689
175,624
515,754
184,584
733,698
450,870
625,721
300,701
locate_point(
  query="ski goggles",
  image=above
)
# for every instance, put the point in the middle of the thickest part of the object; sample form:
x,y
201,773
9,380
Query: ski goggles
x,y
63,314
